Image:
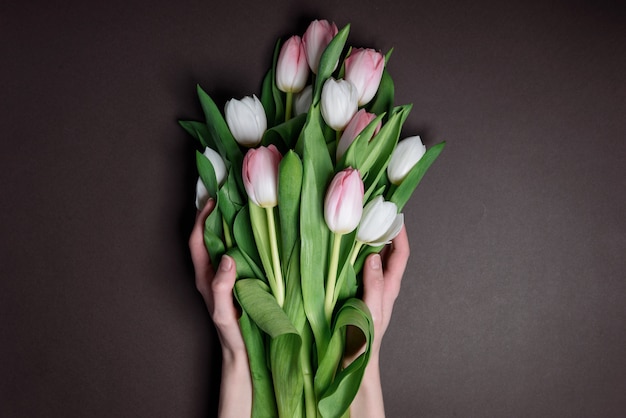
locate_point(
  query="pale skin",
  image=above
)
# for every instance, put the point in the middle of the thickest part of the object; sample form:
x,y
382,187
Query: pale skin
x,y
382,276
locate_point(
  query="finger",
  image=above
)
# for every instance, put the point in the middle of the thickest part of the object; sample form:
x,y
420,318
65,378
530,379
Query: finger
x,y
224,312
396,262
374,286
199,254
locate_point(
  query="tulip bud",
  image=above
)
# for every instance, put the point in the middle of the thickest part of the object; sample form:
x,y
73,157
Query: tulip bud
x,y
292,69
246,120
364,68
343,204
339,103
202,194
303,100
380,222
260,175
407,153
316,38
358,122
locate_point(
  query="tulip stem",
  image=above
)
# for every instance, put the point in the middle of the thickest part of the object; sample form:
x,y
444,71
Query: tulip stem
x,y
279,293
227,237
288,106
332,277
355,252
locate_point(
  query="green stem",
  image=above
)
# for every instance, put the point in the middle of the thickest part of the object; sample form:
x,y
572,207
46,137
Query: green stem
x,y
227,236
288,106
332,277
355,252
310,404
278,277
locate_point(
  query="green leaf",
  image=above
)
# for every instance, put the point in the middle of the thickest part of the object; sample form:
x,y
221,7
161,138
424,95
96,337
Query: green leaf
x,y
339,392
263,400
328,60
260,231
289,187
260,305
285,135
213,237
198,130
222,137
207,174
267,98
245,242
403,192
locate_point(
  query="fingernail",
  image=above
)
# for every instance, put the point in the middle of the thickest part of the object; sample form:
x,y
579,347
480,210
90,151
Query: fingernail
x,y
226,264
375,262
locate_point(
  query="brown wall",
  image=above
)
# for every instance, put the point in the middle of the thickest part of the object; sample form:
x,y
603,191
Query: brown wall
x,y
513,304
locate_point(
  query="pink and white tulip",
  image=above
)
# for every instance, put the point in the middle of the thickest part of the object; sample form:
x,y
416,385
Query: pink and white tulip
x,y
359,121
260,175
364,68
292,69
316,38
343,204
407,153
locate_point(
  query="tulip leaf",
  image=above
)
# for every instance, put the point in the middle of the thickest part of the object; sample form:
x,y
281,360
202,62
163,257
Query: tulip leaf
x,y
260,305
289,187
328,60
314,234
241,262
207,174
245,242
358,150
260,231
284,135
213,237
338,393
402,193
222,137
198,130
263,400
380,149
267,97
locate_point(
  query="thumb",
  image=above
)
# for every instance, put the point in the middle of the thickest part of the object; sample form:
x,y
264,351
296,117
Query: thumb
x,y
373,286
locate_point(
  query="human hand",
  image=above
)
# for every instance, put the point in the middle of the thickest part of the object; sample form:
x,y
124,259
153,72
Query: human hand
x,y
382,276
216,287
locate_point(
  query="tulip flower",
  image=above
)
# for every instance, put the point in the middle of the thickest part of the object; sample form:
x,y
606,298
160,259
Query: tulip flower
x,y
260,175
303,100
316,38
339,103
358,122
380,222
343,204
364,68
202,194
246,120
407,153
292,69
343,207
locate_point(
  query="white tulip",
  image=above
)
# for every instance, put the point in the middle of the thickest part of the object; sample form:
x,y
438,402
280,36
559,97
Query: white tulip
x,y
302,101
339,103
407,153
246,120
380,222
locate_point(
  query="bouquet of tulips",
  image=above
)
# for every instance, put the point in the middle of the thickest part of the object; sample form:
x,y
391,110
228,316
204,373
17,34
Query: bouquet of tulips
x,y
308,180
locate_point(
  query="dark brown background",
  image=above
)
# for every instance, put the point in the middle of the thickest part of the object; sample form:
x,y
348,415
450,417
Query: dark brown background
x,y
514,301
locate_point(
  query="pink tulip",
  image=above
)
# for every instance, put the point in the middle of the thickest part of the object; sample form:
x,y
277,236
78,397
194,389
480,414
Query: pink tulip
x,y
364,68
343,204
260,175
292,69
358,122
316,38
